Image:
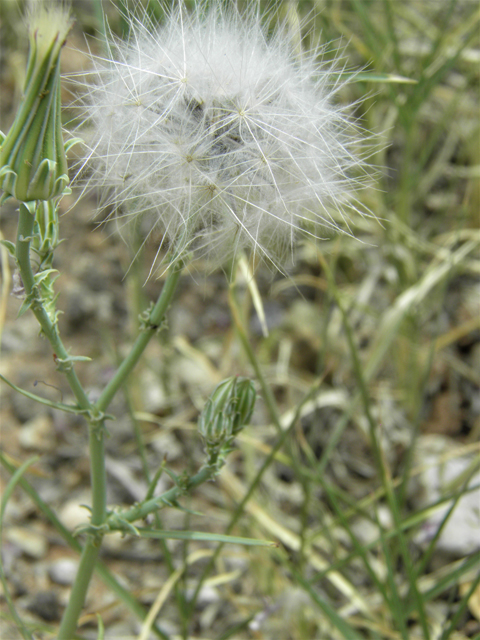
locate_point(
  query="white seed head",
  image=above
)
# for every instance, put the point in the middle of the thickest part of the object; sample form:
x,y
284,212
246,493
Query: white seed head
x,y
220,137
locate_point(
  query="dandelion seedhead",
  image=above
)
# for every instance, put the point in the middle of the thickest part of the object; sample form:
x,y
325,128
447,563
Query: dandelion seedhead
x,y
221,137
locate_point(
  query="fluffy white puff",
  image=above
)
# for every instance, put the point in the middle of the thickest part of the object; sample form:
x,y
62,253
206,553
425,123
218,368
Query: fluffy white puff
x,y
220,137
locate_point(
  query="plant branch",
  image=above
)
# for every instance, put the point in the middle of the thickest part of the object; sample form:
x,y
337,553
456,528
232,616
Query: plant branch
x,y
152,324
24,238
142,510
94,416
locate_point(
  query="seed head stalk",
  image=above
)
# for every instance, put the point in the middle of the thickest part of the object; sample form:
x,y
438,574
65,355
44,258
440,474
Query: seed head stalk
x,y
153,323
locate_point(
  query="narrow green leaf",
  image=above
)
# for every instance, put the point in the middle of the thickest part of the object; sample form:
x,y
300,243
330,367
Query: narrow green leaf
x,y
75,359
68,408
444,583
203,537
12,484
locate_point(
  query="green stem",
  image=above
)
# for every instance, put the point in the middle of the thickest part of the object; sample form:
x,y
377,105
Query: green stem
x,y
107,578
97,458
284,434
24,237
74,608
96,426
142,510
154,321
94,413
91,550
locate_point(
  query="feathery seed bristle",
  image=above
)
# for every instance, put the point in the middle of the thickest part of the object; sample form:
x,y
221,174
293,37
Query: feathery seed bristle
x,y
221,138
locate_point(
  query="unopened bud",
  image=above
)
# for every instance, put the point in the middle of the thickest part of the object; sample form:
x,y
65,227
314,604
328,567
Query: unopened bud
x,y
33,163
228,410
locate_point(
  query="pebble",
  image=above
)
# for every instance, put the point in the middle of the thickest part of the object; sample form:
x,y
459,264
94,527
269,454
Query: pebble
x,y
165,443
38,434
22,337
10,555
193,374
207,595
155,399
45,605
33,544
441,470
63,571
72,514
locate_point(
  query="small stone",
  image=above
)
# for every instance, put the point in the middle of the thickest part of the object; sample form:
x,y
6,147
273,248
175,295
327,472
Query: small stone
x,y
155,399
10,555
207,595
193,374
114,542
45,605
165,443
38,434
21,340
30,542
441,470
63,571
73,514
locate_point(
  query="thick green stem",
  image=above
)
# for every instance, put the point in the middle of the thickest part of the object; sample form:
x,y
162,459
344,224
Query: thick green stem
x,y
98,474
97,457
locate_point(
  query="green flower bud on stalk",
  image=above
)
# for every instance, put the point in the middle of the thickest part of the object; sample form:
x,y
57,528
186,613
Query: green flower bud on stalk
x,y
33,164
227,411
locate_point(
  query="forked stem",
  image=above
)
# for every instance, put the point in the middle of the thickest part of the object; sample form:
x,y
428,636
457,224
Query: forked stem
x,y
94,414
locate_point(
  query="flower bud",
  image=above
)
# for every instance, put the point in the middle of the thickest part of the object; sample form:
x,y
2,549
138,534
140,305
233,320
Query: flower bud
x,y
33,164
228,410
